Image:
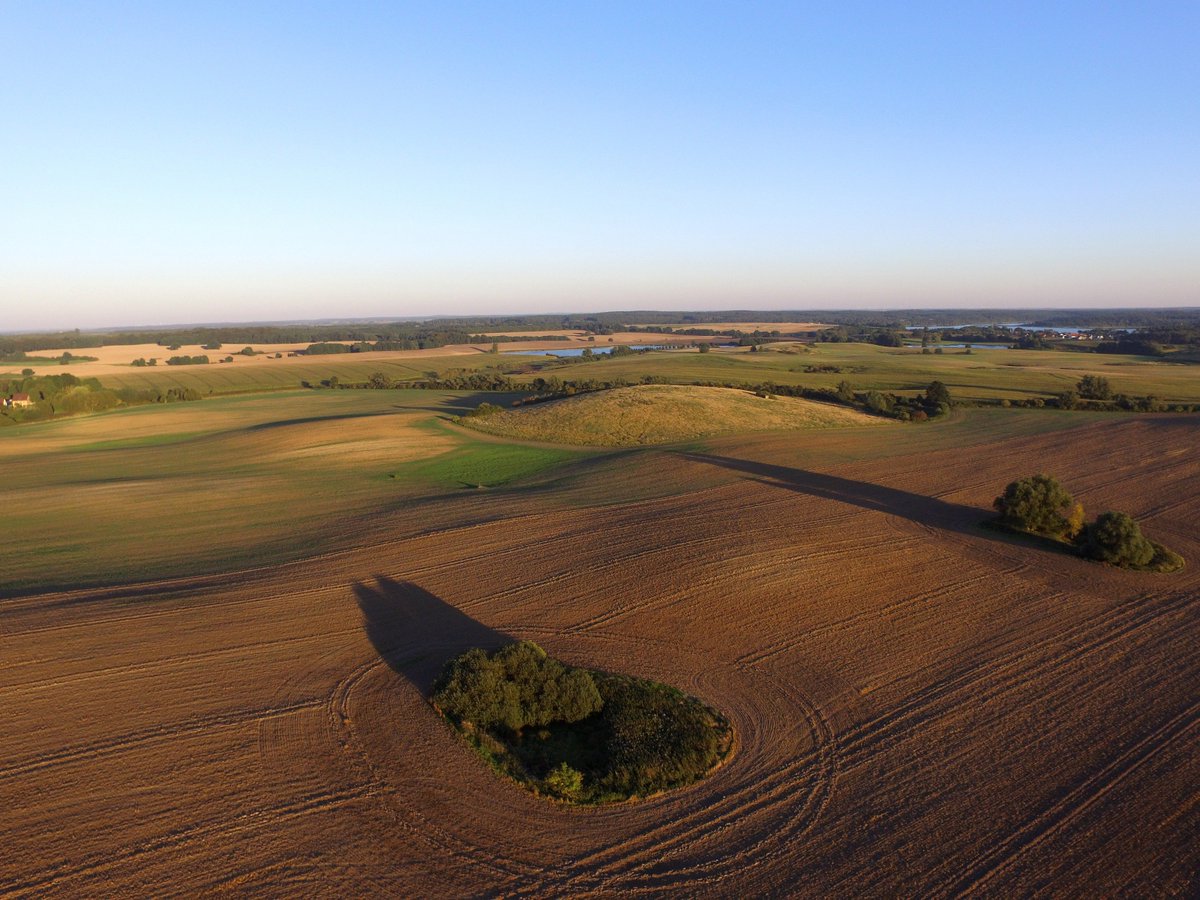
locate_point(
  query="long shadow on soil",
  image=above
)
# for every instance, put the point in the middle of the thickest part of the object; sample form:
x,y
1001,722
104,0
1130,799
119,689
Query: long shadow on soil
x,y
416,632
460,405
928,511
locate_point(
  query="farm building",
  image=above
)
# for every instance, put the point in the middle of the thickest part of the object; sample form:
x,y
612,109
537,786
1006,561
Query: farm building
x,y
18,400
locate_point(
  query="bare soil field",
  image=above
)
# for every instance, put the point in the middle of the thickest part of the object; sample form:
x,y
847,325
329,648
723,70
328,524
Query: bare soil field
x,y
923,708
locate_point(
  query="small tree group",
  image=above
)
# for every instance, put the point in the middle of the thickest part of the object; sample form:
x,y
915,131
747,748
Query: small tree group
x,y
1041,505
1116,538
1094,387
516,686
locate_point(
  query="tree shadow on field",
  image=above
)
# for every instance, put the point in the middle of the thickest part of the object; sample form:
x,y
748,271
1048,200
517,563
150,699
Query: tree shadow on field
x,y
464,404
928,511
415,632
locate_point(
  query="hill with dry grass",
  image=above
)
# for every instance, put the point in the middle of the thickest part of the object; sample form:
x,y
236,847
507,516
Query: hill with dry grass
x,y
661,414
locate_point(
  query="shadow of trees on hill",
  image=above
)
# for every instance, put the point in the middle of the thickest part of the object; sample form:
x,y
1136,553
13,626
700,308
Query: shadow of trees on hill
x,y
310,420
459,405
416,632
918,508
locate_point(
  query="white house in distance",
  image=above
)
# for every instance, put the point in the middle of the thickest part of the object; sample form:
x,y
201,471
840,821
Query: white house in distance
x,y
17,400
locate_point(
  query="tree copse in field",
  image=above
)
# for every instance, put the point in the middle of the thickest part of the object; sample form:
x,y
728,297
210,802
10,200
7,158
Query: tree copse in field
x,y
579,735
1094,387
937,393
1036,504
1116,538
654,732
516,686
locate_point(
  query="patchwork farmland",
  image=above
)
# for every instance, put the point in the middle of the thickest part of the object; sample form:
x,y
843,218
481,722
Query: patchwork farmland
x,y
921,705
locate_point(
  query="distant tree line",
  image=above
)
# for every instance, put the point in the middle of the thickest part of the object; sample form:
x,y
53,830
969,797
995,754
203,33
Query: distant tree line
x,y
1170,327
65,395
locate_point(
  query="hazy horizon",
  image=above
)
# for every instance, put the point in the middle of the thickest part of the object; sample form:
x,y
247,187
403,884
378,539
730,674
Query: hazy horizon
x,y
196,164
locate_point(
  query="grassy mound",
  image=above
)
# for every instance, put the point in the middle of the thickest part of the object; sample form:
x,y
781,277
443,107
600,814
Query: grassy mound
x,y
575,734
660,414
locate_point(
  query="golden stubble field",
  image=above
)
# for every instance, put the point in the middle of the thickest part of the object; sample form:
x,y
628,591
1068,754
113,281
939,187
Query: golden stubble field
x,y
116,359
922,708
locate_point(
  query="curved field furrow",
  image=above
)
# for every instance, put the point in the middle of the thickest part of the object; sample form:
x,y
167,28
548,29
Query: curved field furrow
x,y
56,877
126,742
164,663
1076,802
872,615
775,564
920,707
995,675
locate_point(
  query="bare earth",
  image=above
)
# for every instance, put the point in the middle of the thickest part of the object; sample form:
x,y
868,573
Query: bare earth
x,y
923,709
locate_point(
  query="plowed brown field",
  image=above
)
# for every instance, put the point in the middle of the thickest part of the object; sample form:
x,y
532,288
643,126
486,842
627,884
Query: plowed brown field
x,y
923,708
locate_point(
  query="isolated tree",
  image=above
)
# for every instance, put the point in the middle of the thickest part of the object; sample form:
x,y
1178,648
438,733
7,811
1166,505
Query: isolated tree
x,y
1116,538
704,348
1035,504
938,393
379,381
1094,387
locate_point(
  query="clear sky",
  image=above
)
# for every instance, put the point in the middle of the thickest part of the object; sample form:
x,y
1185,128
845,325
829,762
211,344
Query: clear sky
x,y
202,161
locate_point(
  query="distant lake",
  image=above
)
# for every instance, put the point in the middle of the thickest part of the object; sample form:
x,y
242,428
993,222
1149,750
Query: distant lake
x,y
1062,328
933,344
578,351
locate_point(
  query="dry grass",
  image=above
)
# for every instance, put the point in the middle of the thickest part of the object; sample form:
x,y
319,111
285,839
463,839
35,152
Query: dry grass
x,y
661,414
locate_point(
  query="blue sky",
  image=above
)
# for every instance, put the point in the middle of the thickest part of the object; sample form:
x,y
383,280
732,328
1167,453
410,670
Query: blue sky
x,y
172,162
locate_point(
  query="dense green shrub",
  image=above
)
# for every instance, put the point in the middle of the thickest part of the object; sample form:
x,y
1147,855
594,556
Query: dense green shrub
x,y
517,686
578,735
483,409
1116,538
1067,400
325,348
1094,387
657,737
1035,504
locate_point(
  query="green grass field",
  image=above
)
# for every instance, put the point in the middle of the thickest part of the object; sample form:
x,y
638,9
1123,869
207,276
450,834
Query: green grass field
x,y
176,489
480,464
240,481
980,375
271,375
